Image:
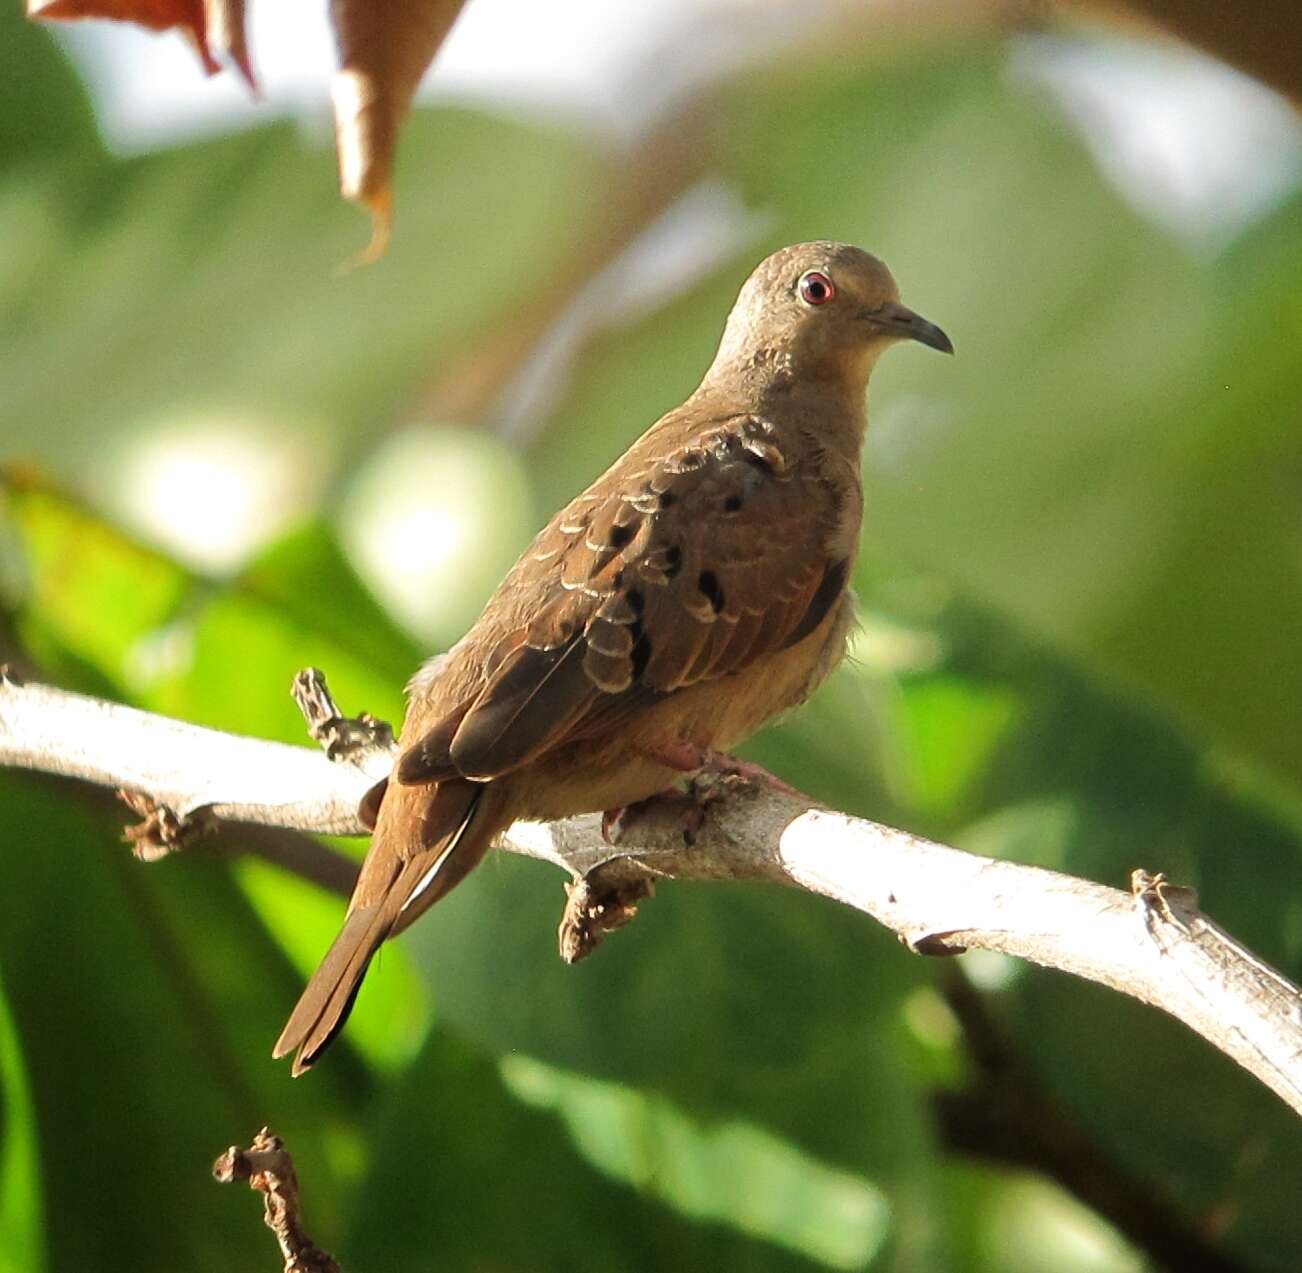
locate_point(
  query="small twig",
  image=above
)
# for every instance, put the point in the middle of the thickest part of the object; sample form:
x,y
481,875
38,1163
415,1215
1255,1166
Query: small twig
x,y
161,830
268,1168
357,739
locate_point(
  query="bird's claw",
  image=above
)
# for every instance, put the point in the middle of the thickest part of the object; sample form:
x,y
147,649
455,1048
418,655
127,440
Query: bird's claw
x,y
688,758
617,825
731,767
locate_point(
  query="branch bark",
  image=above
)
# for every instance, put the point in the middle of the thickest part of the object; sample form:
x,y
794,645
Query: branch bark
x,y
1151,942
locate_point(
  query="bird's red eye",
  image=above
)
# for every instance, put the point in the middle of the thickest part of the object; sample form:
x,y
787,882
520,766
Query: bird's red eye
x,y
816,288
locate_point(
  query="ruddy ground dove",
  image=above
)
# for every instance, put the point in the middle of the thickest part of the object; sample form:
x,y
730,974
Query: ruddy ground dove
x,y
694,590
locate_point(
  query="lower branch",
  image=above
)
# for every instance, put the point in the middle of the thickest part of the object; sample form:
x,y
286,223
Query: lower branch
x,y
1005,1115
1151,942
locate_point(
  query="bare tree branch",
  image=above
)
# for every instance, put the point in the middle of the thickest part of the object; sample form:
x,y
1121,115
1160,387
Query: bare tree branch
x,y
1151,943
191,777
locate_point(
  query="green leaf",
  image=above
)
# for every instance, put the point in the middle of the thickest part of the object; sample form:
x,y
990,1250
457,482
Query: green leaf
x,y
140,1042
92,592
731,1172
951,728
45,113
305,577
466,1175
22,1215
733,1001
213,293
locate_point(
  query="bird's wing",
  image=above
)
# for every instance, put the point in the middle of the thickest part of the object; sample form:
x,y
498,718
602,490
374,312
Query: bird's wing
x,y
676,567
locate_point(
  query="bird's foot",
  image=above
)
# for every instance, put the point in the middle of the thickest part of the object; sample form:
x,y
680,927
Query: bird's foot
x,y
710,771
688,758
617,824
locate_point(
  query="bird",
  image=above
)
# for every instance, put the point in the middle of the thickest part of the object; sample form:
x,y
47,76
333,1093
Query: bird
x,y
697,588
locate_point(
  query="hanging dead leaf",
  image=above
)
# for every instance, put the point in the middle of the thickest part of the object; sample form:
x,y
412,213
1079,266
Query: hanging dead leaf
x,y
209,25
157,15
385,47
227,37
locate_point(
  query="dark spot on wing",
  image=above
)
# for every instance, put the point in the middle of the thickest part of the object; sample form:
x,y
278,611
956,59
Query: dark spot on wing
x,y
713,590
641,652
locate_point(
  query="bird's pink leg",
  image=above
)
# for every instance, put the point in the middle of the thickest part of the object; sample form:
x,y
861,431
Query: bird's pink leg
x,y
688,758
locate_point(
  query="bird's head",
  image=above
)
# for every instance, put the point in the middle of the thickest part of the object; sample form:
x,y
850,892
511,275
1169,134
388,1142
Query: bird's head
x,y
820,310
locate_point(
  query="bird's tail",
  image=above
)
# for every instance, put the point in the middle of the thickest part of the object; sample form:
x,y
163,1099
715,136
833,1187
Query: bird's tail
x,y
427,840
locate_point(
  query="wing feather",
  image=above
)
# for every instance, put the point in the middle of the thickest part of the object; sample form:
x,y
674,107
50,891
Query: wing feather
x,y
680,564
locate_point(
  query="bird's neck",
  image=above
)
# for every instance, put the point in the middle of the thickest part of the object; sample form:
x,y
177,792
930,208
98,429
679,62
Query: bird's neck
x,y
765,382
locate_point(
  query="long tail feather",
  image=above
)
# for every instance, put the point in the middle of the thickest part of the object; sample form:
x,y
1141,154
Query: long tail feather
x,y
393,889
324,1005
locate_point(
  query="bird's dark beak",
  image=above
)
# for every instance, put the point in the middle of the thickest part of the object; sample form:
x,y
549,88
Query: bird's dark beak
x,y
904,324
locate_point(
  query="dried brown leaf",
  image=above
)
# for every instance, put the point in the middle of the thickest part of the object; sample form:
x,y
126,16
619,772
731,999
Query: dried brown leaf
x,y
385,47
227,36
157,15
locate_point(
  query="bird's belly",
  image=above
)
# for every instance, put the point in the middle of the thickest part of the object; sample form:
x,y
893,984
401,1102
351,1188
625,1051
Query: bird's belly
x,y
615,769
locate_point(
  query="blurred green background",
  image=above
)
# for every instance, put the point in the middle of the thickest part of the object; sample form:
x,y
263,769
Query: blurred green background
x,y
1081,590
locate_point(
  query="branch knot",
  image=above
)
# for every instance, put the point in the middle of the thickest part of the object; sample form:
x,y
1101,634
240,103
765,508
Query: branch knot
x,y
162,830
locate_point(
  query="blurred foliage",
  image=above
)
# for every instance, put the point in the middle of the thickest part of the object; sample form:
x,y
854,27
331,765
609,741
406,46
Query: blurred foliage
x,y
1081,589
